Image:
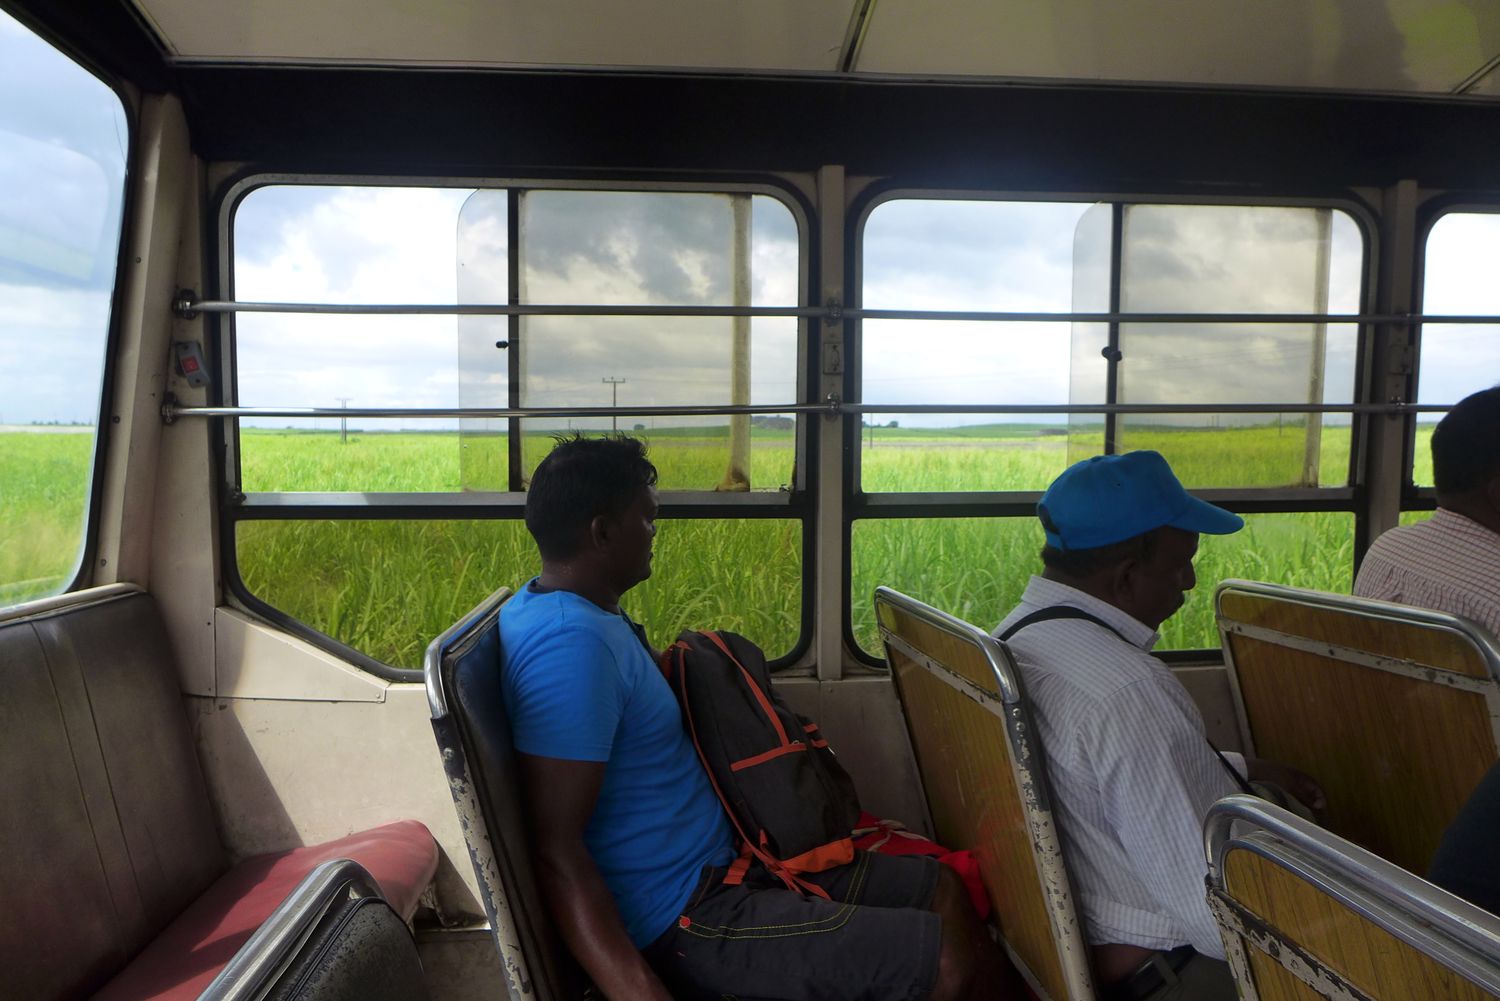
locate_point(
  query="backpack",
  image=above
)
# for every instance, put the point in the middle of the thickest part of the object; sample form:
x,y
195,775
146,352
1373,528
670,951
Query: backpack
x,y
787,797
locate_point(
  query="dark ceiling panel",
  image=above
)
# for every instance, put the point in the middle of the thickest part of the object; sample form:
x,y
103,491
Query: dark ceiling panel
x,y
949,136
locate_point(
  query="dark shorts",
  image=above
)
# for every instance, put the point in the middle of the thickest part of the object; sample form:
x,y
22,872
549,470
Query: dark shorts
x,y
875,938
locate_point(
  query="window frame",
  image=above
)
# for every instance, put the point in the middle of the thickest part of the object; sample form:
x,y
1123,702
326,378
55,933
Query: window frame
x,y
235,506
105,420
1432,212
860,505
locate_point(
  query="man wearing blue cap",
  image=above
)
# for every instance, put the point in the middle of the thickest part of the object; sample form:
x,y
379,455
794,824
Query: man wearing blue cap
x,y
1132,773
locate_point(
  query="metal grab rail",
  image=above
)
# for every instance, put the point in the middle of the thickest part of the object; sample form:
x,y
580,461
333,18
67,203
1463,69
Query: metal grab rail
x,y
255,967
171,410
186,306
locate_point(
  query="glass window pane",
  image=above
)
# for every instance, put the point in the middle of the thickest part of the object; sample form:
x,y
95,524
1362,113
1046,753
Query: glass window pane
x,y
977,568
1249,259
668,249
354,245
63,142
1057,257
972,255
1456,360
337,244
387,588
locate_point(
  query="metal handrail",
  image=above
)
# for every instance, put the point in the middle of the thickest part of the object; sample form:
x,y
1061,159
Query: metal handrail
x,y
187,306
1334,859
1472,633
996,654
262,958
171,410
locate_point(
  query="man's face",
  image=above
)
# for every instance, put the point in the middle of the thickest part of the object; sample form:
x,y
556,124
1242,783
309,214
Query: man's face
x,y
630,540
1156,586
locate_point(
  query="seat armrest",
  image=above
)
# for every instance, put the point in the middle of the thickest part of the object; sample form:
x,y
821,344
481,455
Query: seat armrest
x,y
310,917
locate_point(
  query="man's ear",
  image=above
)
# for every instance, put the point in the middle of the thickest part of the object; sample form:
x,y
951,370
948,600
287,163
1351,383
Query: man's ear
x,y
599,531
1121,579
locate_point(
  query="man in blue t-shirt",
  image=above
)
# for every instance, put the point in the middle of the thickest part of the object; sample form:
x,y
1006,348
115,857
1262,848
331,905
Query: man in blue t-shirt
x,y
630,840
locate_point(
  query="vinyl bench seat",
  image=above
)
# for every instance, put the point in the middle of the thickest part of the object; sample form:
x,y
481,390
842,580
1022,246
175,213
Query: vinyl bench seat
x,y
182,960
115,882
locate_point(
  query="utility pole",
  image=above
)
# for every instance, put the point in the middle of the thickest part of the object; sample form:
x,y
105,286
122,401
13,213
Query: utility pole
x,y
614,398
344,421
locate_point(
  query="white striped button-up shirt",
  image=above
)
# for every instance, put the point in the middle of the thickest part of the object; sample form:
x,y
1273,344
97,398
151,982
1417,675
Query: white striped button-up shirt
x,y
1131,773
1449,563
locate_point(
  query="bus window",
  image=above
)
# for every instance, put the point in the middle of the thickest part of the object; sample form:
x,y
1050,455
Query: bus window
x,y
933,480
63,145
1456,359
381,586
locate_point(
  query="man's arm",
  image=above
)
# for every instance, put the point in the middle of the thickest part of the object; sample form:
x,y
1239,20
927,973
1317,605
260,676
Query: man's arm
x,y
560,798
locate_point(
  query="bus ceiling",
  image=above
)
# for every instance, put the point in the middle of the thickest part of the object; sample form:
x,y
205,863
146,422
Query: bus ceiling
x,y
1426,48
1072,92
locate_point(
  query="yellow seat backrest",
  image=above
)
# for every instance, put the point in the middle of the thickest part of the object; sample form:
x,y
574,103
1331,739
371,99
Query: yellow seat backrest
x,y
1306,915
1393,709
985,782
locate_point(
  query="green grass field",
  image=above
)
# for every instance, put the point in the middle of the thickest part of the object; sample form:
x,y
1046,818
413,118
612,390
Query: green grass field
x,y
387,587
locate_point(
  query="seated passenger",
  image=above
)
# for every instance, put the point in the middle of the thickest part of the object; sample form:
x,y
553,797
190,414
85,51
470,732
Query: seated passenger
x,y
1131,771
1452,561
1467,864
631,843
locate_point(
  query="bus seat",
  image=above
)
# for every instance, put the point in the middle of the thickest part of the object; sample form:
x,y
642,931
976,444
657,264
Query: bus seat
x,y
1307,914
462,668
186,956
114,874
334,938
1393,709
986,785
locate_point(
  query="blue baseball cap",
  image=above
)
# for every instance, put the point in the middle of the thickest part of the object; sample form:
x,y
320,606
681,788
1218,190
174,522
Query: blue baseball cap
x,y
1111,498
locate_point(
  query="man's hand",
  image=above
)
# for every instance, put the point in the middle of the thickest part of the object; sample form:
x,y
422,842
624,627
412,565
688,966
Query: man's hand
x,y
1297,783
560,798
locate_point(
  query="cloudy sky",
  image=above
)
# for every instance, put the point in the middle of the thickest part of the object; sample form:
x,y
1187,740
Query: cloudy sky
x,y
62,162
61,168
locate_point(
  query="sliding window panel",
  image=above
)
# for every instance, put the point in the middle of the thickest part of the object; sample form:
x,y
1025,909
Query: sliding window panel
x,y
1240,259
675,249
978,256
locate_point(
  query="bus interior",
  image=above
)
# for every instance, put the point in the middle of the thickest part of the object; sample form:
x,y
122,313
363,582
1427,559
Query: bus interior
x,y
296,296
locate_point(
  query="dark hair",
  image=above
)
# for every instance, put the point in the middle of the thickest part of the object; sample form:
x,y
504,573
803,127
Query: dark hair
x,y
579,480
1466,443
1080,563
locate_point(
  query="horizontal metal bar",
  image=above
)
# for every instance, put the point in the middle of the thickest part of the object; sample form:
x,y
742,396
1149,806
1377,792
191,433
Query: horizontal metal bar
x,y
172,411
1010,316
1248,500
476,501
1140,408
188,307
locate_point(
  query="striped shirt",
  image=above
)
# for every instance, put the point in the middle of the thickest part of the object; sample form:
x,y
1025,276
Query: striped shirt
x,y
1131,773
1449,563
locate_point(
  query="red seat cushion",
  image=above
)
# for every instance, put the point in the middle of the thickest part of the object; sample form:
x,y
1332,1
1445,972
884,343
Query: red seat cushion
x,y
190,951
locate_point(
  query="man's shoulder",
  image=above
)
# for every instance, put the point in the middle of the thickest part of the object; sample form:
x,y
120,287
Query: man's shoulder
x,y
541,626
1083,660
